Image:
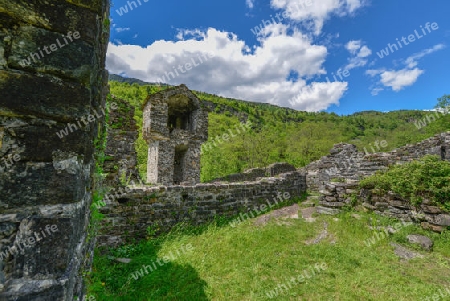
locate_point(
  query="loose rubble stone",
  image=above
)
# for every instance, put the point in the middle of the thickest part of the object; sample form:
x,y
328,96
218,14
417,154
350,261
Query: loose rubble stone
x,y
325,210
320,237
405,253
425,242
123,260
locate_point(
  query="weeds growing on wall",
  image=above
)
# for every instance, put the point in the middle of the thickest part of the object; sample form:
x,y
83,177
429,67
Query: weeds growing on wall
x,y
99,190
427,178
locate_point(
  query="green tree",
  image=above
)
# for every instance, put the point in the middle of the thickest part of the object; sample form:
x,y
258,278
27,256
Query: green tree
x,y
443,102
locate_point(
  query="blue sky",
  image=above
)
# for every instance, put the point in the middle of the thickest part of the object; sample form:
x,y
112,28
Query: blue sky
x,y
309,55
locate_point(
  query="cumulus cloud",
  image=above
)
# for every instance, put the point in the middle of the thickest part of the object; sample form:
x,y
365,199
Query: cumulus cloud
x,y
399,79
359,54
249,3
314,13
222,64
313,96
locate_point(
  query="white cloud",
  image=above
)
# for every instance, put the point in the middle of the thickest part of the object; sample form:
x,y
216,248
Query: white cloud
x,y
236,70
373,73
353,46
313,13
399,79
396,79
376,91
249,3
364,52
118,42
411,61
359,54
312,96
119,29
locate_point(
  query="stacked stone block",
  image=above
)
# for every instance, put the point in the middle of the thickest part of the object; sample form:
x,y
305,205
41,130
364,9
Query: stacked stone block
x,y
121,157
335,196
255,173
346,162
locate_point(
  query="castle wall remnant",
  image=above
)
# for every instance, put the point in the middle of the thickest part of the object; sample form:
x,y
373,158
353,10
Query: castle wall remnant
x,y
175,126
255,173
337,195
345,161
160,208
349,166
120,164
48,187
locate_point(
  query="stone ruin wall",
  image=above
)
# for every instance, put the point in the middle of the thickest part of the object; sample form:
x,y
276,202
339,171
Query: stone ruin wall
x,y
346,162
161,208
48,182
129,214
255,173
121,157
163,142
336,195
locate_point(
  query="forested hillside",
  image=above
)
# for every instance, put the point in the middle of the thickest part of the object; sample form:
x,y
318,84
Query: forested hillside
x,y
282,134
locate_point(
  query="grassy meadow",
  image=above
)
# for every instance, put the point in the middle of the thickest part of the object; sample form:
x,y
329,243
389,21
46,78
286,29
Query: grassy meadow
x,y
250,262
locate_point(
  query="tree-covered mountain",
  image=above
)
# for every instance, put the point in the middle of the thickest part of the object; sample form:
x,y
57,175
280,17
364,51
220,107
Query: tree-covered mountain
x,y
283,134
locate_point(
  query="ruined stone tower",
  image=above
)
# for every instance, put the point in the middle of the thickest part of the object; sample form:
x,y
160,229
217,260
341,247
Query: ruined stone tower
x,y
174,127
47,184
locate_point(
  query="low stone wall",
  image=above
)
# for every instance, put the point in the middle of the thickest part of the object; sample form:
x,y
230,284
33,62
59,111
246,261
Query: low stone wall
x,y
255,173
337,195
161,208
345,161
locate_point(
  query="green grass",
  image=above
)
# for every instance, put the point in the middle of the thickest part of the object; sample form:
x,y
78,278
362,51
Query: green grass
x,y
245,262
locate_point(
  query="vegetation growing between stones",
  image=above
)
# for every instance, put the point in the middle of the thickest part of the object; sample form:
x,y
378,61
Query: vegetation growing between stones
x,y
282,134
99,190
427,178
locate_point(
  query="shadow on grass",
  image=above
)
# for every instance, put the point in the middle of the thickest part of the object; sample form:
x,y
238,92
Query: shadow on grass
x,y
113,280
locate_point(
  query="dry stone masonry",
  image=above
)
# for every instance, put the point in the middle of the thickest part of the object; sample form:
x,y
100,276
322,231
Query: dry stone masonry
x,y
121,158
346,162
48,186
336,177
175,126
256,173
160,208
335,196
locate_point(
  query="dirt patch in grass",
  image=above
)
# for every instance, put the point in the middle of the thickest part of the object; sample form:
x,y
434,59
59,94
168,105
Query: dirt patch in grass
x,y
286,212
